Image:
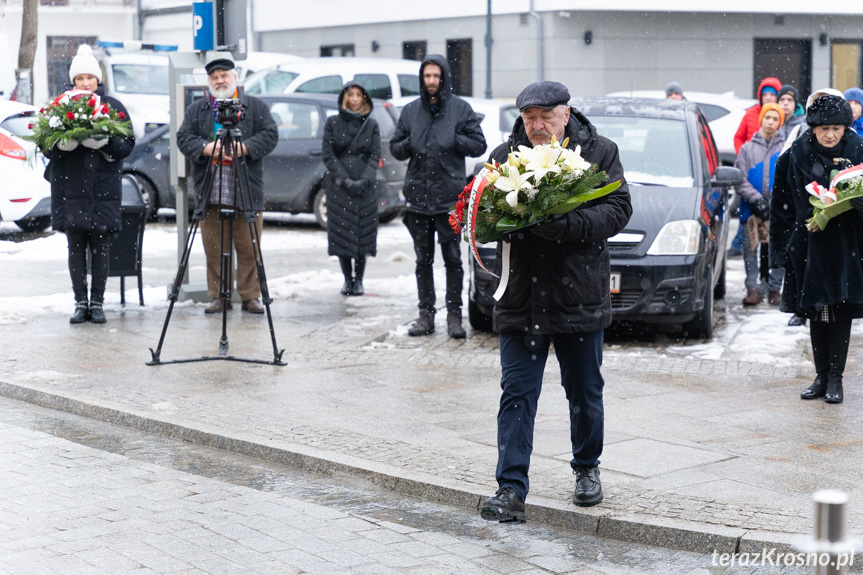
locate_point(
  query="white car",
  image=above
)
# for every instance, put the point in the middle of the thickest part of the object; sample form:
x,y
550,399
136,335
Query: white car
x,y
25,196
497,118
256,61
723,113
382,77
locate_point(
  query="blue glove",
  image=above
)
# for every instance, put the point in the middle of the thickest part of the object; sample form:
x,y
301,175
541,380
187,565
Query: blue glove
x,y
553,230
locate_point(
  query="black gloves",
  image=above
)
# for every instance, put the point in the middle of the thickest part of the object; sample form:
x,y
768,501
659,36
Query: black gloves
x,y
355,186
760,209
554,230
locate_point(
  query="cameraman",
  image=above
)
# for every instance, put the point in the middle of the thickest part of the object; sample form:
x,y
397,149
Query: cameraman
x,y
196,140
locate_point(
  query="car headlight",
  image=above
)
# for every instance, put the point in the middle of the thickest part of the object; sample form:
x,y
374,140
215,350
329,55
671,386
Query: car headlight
x,y
677,239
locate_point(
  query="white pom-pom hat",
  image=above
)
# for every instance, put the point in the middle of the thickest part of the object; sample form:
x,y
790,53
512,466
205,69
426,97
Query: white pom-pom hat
x,y
84,63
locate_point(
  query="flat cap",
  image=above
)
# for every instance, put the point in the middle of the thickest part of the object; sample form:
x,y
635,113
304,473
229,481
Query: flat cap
x,y
545,94
219,64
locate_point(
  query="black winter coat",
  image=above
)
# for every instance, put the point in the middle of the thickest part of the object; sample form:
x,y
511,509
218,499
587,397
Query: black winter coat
x,y
437,144
87,185
563,287
821,268
259,134
352,216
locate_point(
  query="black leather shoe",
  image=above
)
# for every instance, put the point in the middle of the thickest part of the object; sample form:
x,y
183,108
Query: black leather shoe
x,y
358,288
816,390
80,315
588,489
348,288
796,321
505,507
834,389
97,315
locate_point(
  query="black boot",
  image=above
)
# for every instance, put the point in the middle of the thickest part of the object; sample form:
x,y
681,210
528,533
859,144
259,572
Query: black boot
x,y
97,315
588,489
816,390
453,325
81,314
505,506
424,325
834,389
348,288
359,270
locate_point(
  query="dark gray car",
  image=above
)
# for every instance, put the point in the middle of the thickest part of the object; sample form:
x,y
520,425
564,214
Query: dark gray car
x,y
669,263
294,171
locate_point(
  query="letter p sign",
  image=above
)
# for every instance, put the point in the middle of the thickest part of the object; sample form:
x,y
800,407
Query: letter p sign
x,y
203,25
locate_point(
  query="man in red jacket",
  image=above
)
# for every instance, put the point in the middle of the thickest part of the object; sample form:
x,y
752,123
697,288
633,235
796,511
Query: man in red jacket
x,y
768,90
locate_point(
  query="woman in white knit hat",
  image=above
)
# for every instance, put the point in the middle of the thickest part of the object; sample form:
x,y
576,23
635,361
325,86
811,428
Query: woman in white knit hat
x,y
86,184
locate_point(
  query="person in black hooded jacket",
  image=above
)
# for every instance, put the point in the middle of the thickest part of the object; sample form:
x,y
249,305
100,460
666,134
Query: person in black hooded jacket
x,y
436,132
352,150
823,269
557,291
86,191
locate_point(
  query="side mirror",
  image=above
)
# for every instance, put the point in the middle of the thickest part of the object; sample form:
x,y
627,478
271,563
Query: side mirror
x,y
727,177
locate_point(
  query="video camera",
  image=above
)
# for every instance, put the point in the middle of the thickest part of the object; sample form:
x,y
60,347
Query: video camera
x,y
230,112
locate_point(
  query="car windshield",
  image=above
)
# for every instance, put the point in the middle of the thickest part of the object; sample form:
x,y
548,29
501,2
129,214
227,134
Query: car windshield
x,y
269,82
652,150
140,78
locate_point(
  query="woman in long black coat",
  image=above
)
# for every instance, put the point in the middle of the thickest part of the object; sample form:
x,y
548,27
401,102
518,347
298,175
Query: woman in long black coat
x,y
823,269
352,151
86,191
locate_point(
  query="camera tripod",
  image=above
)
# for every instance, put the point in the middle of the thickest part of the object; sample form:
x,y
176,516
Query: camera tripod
x,y
228,137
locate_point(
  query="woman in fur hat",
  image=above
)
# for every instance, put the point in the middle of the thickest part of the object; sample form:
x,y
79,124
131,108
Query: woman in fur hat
x,y
823,269
86,183
352,151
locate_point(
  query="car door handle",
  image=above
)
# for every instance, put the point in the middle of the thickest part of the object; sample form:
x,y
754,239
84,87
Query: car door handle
x,y
316,153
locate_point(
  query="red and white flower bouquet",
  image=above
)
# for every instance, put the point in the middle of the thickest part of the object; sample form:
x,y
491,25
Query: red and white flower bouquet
x,y
77,115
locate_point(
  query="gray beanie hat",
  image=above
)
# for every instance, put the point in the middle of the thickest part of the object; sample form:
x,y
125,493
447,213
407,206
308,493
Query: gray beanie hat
x,y
84,63
673,88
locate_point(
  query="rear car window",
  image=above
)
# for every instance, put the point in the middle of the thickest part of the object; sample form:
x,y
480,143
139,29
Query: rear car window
x,y
712,111
377,85
269,82
296,120
19,124
508,116
409,84
323,85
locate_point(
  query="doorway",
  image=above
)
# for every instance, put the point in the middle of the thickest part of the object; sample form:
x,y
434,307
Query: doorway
x,y
846,64
789,60
459,56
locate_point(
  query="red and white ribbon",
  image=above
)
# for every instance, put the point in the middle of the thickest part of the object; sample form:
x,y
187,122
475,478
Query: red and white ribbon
x,y
826,196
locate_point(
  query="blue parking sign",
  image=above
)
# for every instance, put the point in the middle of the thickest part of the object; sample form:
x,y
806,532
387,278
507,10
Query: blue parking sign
x,y
203,26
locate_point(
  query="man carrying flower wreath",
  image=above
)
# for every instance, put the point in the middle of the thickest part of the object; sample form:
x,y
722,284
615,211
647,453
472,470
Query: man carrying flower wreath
x,y
86,177
558,291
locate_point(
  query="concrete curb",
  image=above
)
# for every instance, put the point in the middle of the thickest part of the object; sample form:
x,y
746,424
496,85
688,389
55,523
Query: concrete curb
x,y
677,534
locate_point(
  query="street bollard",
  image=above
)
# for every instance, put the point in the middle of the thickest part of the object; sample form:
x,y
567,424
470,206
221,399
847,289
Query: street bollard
x,y
828,549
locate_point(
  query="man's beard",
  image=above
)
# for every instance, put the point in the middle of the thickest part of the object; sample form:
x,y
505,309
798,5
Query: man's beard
x,y
541,137
224,93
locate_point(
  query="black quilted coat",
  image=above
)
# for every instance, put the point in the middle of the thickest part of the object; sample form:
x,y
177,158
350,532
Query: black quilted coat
x,y
563,287
86,185
825,267
352,216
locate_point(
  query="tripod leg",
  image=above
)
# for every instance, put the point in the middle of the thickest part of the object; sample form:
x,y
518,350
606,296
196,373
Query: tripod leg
x,y
226,279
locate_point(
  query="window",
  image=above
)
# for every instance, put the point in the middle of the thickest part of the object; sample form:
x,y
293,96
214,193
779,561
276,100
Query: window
x,y
711,155
140,79
19,124
846,63
712,111
337,50
409,84
296,120
377,85
269,82
323,85
415,50
789,60
508,116
61,50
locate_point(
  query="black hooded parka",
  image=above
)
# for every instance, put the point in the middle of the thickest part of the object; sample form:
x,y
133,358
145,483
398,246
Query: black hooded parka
x,y
86,184
824,267
352,216
563,286
436,144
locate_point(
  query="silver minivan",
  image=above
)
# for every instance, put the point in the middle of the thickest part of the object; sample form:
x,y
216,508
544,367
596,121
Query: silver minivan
x,y
382,77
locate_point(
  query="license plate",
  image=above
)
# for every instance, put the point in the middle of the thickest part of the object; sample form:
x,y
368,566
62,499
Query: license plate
x,y
615,283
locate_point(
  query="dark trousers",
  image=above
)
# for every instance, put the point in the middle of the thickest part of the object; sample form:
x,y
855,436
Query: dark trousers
x,y
522,361
98,244
422,229
830,341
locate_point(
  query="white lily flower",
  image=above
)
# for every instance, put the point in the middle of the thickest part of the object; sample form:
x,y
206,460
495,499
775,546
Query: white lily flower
x,y
573,161
512,182
512,199
541,160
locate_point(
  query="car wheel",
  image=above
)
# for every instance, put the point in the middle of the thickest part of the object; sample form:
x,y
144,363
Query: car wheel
x,y
319,207
34,224
151,198
387,217
719,290
701,325
478,319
